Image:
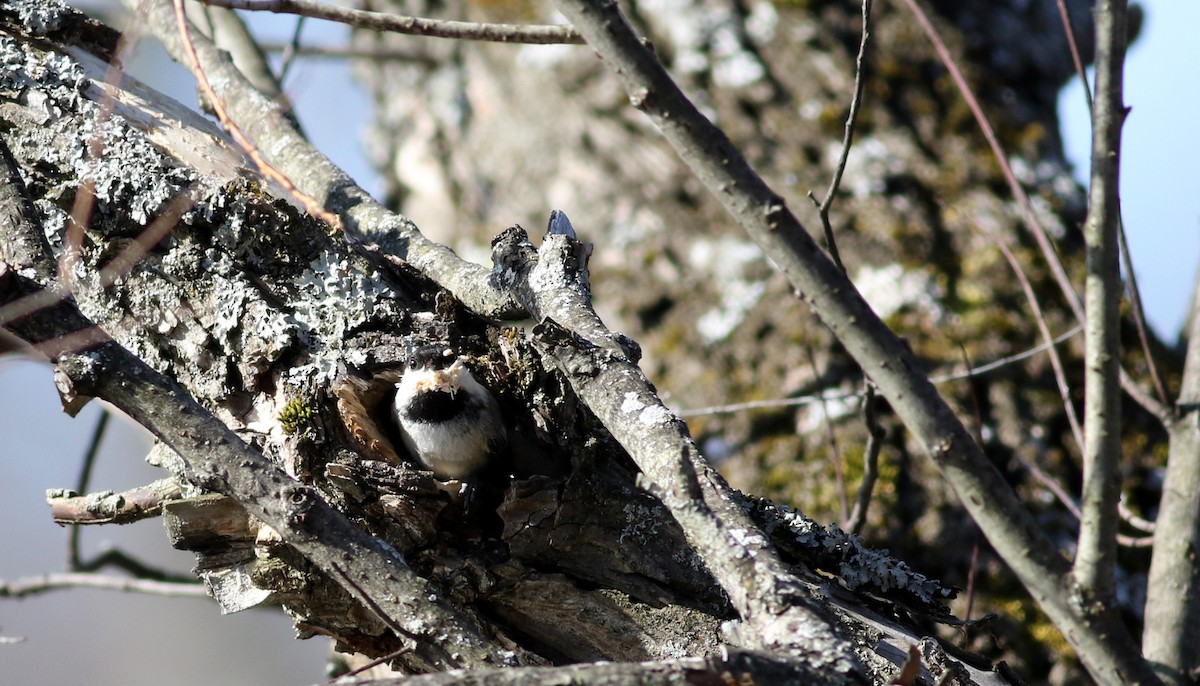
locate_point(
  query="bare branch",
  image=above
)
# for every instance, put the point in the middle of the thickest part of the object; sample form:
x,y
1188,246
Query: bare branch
x,y
1035,226
875,435
777,403
340,52
230,33
1139,316
1031,220
1065,14
106,507
1060,375
1095,557
848,139
85,477
544,34
835,452
33,585
601,366
1135,297
311,204
1105,645
314,174
1173,588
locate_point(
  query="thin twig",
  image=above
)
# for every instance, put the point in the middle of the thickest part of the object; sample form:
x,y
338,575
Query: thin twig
x,y
835,452
310,204
1065,498
537,34
985,126
1139,317
33,585
119,559
1039,233
1065,14
341,52
81,486
856,520
1056,365
1148,402
230,33
847,140
810,399
1132,519
373,663
1135,296
875,435
291,50
969,598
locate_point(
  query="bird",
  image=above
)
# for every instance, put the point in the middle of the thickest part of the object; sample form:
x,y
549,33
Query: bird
x,y
447,420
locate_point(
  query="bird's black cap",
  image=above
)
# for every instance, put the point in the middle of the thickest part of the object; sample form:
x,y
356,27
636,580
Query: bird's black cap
x,y
429,356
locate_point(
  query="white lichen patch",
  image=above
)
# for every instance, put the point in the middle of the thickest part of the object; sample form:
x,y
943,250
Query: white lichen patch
x,y
129,171
641,524
655,415
334,298
55,76
858,565
631,403
747,542
39,16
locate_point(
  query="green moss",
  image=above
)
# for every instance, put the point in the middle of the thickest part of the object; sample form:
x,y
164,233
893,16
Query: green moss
x,y
296,416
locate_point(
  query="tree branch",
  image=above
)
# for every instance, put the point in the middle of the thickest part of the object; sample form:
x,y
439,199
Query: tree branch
x,y
220,461
848,137
33,585
377,232
544,34
1102,642
552,284
1045,245
1095,556
1173,587
106,507
733,666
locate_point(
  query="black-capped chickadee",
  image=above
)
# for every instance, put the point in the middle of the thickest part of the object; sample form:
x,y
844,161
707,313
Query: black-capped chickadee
x,y
447,420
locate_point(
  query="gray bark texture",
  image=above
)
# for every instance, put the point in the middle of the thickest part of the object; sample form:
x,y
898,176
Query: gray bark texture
x,y
922,207
260,348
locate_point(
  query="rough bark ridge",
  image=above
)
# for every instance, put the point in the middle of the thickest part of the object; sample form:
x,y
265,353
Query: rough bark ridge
x,y
253,314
